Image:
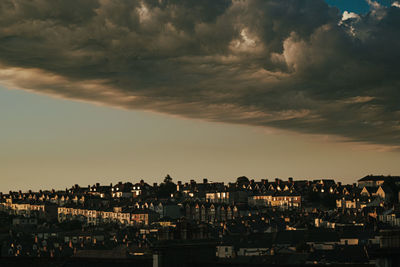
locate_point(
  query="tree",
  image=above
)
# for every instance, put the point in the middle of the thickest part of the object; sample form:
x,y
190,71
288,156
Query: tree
x,y
167,179
242,181
166,188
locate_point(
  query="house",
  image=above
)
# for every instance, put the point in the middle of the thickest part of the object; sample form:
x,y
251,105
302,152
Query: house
x,y
347,202
83,236
251,245
218,197
377,180
141,189
354,236
96,190
22,221
384,192
322,239
172,210
369,191
225,251
122,190
390,217
276,199
144,217
339,256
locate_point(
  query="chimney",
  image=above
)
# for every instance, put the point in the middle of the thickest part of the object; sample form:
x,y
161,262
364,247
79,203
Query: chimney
x,y
290,179
97,184
205,181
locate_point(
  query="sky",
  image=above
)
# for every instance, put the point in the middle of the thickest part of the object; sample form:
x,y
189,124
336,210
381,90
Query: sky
x,y
108,91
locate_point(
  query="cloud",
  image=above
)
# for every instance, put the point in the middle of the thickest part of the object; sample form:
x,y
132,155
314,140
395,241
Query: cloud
x,y
293,65
396,4
350,15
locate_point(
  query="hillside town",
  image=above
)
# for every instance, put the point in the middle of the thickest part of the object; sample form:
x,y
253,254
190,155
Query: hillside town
x,y
276,222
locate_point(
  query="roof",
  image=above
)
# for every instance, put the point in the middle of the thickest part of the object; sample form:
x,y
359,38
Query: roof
x,y
290,237
378,178
322,235
371,189
264,240
343,254
356,232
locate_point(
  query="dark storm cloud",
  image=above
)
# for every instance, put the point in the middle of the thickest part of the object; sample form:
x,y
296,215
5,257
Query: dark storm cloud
x,y
290,64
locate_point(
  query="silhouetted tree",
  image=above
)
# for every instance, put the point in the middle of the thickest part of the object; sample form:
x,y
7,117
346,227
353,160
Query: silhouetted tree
x,y
167,179
242,181
166,188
